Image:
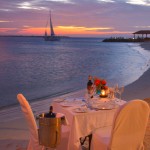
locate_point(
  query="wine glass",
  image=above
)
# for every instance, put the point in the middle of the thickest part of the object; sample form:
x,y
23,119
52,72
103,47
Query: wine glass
x,y
87,97
120,91
111,94
89,94
115,90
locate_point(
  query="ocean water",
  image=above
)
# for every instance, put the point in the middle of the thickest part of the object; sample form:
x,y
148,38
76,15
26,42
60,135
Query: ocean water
x,y
40,69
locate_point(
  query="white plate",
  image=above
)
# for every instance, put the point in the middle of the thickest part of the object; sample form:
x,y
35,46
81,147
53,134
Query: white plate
x,y
106,107
74,99
80,110
66,104
58,100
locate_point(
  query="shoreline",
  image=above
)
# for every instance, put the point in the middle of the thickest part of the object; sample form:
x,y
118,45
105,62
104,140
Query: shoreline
x,y
13,128
38,99
139,89
14,133
144,45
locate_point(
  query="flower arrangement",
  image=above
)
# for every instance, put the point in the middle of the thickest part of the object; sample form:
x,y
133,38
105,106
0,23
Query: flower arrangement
x,y
100,84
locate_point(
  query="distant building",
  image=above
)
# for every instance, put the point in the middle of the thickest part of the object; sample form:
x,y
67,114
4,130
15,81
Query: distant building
x,y
142,32
139,36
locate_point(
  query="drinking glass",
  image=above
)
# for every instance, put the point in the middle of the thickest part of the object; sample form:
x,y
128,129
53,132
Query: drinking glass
x,y
120,91
111,94
115,90
88,97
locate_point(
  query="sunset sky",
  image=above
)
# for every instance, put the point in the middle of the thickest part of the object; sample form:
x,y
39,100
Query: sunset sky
x,y
74,17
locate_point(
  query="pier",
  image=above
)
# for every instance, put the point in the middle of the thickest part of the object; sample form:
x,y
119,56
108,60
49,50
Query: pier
x,y
139,36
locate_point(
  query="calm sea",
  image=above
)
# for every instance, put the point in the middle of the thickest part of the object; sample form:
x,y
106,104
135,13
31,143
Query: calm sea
x,y
41,69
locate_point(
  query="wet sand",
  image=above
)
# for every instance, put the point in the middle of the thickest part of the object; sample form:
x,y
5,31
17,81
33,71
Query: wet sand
x,y
139,89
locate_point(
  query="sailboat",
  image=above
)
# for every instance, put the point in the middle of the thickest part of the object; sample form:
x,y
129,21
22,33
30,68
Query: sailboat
x,y
52,36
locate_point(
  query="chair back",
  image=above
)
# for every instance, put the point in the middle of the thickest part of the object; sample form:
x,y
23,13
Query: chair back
x,y
147,133
129,126
32,126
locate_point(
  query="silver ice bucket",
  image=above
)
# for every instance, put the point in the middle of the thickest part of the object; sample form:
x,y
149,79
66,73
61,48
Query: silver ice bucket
x,y
49,132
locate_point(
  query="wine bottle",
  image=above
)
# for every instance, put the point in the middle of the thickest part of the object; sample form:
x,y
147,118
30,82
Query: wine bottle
x,y
90,85
50,114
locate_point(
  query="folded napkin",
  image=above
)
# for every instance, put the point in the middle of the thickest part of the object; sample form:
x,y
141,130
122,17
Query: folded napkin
x,y
80,109
64,120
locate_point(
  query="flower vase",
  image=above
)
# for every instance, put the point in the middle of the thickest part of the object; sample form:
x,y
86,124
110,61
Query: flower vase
x,y
98,92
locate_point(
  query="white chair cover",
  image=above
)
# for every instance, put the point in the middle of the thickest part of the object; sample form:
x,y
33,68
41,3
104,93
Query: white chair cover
x,y
147,133
127,132
32,126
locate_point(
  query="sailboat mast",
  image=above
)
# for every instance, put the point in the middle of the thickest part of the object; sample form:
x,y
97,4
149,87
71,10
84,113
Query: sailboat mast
x,y
51,26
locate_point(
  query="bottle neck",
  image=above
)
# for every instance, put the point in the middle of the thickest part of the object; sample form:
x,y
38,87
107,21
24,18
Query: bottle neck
x,y
89,83
51,109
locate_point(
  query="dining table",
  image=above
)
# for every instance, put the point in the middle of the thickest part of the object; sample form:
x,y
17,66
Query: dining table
x,y
84,116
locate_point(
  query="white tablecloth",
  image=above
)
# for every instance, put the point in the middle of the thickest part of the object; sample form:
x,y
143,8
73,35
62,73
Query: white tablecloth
x,y
82,124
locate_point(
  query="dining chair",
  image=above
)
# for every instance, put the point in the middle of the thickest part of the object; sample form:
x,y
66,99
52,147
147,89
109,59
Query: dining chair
x,y
127,131
33,129
32,126
147,133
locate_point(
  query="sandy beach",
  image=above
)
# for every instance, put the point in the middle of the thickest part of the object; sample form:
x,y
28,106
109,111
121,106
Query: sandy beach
x,y
13,128
14,133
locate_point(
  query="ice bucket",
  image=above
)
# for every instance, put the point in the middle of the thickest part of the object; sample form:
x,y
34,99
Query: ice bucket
x,y
49,131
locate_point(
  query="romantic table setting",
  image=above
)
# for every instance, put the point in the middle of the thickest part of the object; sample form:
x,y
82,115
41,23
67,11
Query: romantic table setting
x,y
94,110
83,118
81,105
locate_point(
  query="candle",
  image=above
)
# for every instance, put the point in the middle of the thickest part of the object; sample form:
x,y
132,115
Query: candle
x,y
103,93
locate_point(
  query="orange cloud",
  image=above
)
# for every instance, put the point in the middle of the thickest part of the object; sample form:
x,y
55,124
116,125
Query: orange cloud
x,y
32,31
80,30
65,30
